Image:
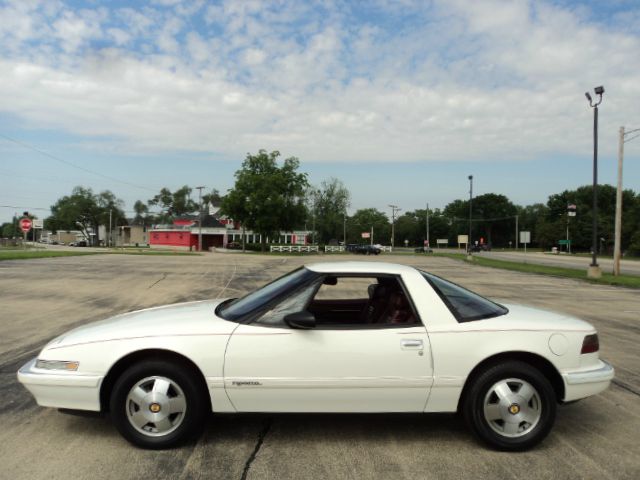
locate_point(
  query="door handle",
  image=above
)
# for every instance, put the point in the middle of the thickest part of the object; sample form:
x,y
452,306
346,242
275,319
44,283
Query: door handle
x,y
413,344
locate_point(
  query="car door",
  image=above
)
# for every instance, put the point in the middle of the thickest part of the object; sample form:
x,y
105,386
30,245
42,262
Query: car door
x,y
331,368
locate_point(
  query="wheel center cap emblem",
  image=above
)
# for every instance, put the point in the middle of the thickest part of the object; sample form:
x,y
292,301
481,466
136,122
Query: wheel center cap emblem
x,y
514,408
155,407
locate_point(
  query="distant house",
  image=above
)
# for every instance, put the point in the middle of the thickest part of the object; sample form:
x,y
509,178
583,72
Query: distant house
x,y
131,235
216,232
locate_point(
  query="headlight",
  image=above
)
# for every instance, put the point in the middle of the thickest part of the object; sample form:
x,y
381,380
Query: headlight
x,y
57,365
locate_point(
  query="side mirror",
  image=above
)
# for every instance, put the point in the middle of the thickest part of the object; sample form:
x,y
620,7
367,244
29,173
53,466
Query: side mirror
x,y
302,320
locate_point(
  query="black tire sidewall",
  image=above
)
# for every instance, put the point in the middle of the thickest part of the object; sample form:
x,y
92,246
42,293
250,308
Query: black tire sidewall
x,y
178,373
474,405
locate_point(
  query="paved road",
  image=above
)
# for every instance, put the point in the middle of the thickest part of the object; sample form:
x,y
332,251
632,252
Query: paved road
x,y
595,438
628,267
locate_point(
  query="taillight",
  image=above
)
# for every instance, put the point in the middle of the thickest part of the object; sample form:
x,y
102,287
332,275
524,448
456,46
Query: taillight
x,y
590,344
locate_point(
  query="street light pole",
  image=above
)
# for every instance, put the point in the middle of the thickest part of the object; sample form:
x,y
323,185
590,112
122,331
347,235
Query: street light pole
x,y
470,212
200,217
594,270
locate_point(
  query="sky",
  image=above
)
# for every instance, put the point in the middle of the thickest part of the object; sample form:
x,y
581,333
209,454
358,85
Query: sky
x,y
400,100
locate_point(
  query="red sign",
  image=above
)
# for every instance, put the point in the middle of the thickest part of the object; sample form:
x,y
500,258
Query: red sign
x,y
25,224
366,235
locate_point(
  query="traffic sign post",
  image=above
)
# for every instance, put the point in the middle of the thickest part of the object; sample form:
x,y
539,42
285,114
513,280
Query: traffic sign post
x,y
25,226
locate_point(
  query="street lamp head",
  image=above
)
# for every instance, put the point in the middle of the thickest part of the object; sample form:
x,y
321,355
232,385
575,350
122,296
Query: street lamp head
x,y
586,94
599,90
470,177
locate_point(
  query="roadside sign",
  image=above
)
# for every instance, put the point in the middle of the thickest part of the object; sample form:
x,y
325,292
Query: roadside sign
x,y
564,242
38,223
525,237
366,235
25,224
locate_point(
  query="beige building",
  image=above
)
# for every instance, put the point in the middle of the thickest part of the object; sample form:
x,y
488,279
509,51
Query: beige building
x,y
131,236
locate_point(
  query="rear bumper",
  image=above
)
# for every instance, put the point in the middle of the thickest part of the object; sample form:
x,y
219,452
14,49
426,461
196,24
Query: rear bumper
x,y
61,389
584,383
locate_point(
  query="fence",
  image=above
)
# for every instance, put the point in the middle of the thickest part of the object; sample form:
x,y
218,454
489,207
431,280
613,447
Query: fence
x,y
333,248
294,248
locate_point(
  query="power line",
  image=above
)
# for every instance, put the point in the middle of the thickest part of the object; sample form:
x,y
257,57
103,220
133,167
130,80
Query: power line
x,y
66,162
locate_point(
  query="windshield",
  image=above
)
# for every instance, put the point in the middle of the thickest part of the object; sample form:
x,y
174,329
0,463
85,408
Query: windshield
x,y
265,295
464,304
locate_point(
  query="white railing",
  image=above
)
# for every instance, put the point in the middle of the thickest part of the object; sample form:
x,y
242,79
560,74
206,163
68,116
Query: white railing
x,y
294,248
384,248
333,248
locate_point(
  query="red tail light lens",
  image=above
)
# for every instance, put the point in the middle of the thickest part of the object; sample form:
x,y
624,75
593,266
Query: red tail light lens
x,y
590,344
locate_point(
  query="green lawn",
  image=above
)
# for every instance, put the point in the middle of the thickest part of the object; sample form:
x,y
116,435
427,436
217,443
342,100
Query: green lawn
x,y
26,254
607,278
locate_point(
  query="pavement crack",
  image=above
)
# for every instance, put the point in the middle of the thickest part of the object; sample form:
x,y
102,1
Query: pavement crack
x,y
252,457
164,275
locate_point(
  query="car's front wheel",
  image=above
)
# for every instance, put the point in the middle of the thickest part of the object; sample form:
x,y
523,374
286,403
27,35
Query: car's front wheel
x,y
511,406
158,404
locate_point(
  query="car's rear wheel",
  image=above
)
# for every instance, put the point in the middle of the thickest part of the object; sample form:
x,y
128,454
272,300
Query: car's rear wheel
x,y
158,404
511,406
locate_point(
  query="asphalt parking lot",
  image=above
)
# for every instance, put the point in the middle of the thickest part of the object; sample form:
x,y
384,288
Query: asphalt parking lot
x,y
595,438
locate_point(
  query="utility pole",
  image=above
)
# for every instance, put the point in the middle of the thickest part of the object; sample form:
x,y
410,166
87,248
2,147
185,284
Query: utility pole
x,y
394,209
200,217
516,233
470,213
110,238
344,230
428,243
618,230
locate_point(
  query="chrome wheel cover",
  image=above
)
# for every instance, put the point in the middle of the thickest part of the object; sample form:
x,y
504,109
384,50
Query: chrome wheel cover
x,y
512,407
156,406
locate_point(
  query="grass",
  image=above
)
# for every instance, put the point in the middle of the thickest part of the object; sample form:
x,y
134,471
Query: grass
x,y
26,254
576,274
20,254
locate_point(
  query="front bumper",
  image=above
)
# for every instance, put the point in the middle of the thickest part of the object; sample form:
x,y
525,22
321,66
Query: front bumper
x,y
61,389
584,383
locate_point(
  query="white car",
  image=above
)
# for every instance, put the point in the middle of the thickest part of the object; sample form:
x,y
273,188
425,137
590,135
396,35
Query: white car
x,y
329,337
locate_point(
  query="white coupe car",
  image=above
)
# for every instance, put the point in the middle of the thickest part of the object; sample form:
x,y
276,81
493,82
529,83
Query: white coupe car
x,y
329,337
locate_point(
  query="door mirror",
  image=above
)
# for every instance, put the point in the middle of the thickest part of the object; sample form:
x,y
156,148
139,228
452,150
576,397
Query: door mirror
x,y
302,320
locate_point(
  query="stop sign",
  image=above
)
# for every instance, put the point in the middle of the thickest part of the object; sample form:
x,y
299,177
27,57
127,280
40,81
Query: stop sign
x,y
25,224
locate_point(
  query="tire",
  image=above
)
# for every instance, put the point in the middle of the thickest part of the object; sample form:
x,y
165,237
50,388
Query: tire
x,y
158,404
510,406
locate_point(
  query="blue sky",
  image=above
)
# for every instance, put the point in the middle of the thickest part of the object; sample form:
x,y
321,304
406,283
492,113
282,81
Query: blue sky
x,y
400,100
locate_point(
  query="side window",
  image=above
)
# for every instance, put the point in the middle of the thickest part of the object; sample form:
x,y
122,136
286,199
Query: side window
x,y
292,304
362,302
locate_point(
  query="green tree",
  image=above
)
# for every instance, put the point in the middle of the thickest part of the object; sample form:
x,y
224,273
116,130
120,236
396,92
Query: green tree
x,y
493,218
329,204
173,204
85,211
363,221
267,198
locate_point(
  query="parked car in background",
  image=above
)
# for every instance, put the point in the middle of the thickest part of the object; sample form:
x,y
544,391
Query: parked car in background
x,y
366,249
328,337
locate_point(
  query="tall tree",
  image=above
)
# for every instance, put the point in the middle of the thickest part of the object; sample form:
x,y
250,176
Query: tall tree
x,y
493,218
85,211
330,203
266,197
174,204
366,219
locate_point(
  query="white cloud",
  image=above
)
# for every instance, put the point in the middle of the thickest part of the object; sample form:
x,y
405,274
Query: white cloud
x,y
456,81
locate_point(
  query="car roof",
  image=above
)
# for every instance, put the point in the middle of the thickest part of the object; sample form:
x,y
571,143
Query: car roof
x,y
360,267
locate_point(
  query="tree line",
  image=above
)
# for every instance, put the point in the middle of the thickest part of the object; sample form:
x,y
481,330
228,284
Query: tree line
x,y
270,196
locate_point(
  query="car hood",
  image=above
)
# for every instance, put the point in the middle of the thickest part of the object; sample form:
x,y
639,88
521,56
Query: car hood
x,y
192,318
521,317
